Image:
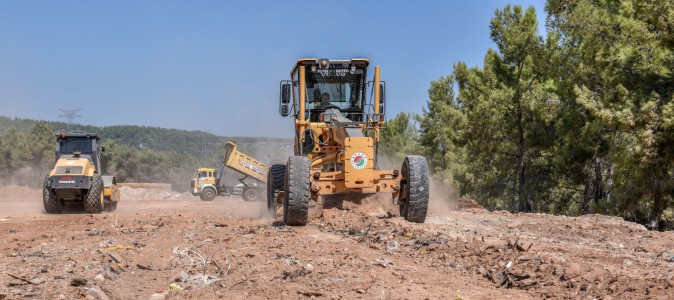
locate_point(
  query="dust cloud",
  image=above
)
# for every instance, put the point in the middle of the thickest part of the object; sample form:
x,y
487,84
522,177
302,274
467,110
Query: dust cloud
x,y
25,176
443,198
16,199
21,191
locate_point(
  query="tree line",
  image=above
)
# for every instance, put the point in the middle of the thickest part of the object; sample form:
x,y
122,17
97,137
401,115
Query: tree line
x,y
27,156
132,153
198,144
579,121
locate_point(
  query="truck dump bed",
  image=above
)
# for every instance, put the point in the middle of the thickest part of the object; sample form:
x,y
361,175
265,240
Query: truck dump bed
x,y
244,164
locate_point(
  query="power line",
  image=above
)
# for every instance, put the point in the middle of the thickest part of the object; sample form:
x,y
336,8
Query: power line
x,y
70,115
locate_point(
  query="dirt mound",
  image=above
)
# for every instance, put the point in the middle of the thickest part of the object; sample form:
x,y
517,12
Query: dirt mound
x,y
517,259
191,249
465,203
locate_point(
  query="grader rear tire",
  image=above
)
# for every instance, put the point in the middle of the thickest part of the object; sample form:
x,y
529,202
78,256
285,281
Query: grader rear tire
x,y
296,192
94,201
414,190
51,204
275,184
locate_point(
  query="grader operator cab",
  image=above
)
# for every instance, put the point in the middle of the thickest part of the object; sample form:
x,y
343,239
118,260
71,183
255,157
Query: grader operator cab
x,y
336,142
76,177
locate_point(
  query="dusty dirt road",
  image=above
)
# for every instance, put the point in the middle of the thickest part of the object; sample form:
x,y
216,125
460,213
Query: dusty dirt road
x,y
162,245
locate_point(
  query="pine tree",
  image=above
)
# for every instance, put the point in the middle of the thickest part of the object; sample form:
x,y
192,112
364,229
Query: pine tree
x,y
622,87
441,125
509,109
399,138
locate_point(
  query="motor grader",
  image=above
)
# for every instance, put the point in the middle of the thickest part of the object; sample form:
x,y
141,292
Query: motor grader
x,y
336,142
76,178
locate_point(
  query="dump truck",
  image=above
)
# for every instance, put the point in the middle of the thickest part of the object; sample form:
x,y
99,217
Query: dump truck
x,y
207,181
337,141
76,177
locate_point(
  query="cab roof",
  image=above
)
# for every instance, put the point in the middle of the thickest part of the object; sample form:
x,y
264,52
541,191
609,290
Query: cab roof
x,y
89,135
315,61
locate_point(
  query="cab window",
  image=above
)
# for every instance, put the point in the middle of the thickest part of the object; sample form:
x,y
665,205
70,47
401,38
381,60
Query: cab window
x,y
70,145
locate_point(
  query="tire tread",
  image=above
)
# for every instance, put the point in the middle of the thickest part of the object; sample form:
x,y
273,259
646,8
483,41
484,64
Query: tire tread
x,y
296,202
51,204
275,184
418,182
92,202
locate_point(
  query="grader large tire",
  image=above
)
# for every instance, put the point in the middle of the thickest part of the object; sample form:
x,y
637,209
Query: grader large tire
x,y
296,195
208,194
275,184
94,201
51,204
414,191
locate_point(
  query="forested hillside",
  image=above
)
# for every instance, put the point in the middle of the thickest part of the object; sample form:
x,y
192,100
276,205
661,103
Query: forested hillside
x,y
579,121
196,143
133,153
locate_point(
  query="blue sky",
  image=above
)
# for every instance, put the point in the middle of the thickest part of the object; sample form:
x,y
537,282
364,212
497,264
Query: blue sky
x,y
215,66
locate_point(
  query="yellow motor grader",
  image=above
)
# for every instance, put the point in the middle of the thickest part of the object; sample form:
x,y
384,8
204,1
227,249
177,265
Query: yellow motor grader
x,y
76,177
336,142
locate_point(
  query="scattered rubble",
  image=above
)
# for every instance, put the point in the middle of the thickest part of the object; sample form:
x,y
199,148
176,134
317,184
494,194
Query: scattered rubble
x,y
154,248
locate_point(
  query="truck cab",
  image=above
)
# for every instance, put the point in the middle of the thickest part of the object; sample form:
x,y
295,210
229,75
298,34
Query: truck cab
x,y
204,178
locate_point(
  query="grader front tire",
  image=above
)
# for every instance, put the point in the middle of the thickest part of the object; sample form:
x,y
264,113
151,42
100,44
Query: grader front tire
x,y
414,189
296,192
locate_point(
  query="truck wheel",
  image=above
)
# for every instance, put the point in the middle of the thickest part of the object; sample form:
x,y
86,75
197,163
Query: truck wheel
x,y
275,182
94,201
208,194
296,199
414,190
250,194
51,204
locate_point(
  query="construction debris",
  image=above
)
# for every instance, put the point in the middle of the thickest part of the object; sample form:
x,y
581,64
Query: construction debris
x,y
501,255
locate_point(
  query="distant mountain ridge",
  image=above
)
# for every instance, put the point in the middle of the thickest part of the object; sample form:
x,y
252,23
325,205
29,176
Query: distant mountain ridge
x,y
195,143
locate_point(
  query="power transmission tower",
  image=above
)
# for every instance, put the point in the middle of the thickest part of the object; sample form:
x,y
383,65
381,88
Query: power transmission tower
x,y
70,115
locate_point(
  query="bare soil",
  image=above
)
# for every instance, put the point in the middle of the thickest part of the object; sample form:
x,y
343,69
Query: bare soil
x,y
165,245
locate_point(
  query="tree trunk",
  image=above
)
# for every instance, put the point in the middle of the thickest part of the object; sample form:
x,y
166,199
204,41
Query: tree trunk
x,y
589,189
659,176
521,175
598,179
658,208
609,182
